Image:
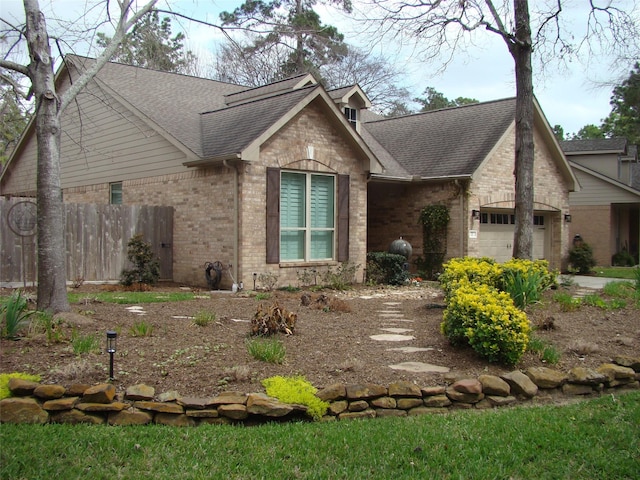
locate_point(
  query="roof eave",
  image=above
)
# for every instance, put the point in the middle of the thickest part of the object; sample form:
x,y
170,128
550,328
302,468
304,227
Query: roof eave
x,y
214,161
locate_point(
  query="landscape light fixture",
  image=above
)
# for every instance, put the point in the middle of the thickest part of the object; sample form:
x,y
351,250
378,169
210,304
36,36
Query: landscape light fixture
x,y
255,276
111,349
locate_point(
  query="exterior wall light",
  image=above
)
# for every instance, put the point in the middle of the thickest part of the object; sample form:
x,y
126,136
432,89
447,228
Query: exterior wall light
x,y
475,214
111,349
567,218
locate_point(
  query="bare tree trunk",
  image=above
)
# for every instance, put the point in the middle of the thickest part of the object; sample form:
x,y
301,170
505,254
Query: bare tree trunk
x,y
52,292
521,52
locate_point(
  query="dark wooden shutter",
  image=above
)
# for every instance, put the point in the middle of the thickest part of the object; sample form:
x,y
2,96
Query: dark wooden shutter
x,y
273,215
343,218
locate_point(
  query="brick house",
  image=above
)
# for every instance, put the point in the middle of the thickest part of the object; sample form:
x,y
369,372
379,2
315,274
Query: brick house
x,y
606,210
244,169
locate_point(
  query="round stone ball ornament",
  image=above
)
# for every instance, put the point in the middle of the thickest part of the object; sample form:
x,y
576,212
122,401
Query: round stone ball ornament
x,y
401,247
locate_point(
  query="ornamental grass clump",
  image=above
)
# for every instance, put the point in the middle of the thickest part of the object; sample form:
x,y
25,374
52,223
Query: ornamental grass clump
x,y
296,390
486,319
480,270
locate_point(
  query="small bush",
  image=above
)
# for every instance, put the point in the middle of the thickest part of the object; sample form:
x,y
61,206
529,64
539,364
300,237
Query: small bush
x,y
4,381
272,320
268,350
15,314
581,258
296,390
623,259
524,288
386,268
487,320
342,278
269,281
146,269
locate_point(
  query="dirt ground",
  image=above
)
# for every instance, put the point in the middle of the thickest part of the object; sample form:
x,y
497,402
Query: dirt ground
x,y
331,342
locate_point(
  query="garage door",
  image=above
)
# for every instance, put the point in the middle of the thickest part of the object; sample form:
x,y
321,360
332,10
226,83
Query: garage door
x,y
496,235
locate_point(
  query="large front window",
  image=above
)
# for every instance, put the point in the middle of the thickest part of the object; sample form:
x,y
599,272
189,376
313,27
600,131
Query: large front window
x,y
307,216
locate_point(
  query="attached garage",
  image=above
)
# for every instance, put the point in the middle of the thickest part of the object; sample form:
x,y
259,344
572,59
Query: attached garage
x,y
497,230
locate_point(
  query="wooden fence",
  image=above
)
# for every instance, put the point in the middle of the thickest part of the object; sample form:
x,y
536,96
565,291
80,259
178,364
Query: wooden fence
x,y
96,239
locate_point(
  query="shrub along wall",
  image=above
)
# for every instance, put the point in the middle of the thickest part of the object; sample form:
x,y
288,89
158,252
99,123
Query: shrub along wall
x,y
35,403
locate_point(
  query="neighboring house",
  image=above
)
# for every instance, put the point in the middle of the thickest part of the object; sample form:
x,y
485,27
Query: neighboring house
x,y
606,210
287,177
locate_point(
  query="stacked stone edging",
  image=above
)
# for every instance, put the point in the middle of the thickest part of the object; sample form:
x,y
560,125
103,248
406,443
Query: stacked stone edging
x,y
138,405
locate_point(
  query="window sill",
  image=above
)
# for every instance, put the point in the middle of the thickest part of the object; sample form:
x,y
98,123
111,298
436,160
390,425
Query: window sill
x,y
321,263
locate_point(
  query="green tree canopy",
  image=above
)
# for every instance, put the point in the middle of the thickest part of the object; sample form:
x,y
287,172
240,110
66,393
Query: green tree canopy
x,y
435,100
624,119
291,26
150,44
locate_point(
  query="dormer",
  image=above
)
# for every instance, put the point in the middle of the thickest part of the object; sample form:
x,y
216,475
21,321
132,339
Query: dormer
x,y
351,101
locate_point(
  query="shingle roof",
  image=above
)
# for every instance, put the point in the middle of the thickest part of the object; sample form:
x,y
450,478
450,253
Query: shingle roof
x,y
287,84
171,100
229,130
594,145
443,143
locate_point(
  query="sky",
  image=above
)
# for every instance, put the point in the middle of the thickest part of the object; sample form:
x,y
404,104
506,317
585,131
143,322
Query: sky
x,y
571,97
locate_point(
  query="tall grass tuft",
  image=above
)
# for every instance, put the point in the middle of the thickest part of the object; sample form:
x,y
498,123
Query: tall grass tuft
x,y
525,289
269,350
203,318
15,315
141,329
84,343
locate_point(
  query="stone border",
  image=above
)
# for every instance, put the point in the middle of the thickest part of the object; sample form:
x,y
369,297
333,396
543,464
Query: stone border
x,y
99,404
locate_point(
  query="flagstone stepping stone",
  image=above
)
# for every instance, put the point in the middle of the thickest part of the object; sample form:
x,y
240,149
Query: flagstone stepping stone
x,y
390,337
391,315
419,367
392,303
397,330
137,309
393,320
410,349
181,317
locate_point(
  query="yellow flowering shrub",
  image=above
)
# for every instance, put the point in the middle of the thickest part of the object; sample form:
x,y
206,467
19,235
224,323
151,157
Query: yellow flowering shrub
x,y
298,390
529,268
481,270
485,318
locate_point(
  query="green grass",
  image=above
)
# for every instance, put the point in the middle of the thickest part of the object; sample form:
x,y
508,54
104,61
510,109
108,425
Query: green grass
x,y
587,440
615,272
131,297
203,318
141,329
269,350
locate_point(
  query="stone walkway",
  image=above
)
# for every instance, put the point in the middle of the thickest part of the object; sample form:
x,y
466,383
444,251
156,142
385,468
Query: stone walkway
x,y
397,329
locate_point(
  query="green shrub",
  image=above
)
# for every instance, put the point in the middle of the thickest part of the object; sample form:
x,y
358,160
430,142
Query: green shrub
x,y
4,381
386,268
486,319
623,259
146,269
15,314
269,350
538,268
296,390
581,258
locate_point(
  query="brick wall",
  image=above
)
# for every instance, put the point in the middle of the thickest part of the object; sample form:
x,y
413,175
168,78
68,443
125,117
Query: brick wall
x,y
590,222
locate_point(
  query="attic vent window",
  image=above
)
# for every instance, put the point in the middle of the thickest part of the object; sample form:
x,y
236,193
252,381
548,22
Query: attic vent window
x,y
351,114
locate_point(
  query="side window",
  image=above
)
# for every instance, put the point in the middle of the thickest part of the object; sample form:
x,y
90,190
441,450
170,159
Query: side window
x,y
352,115
115,193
